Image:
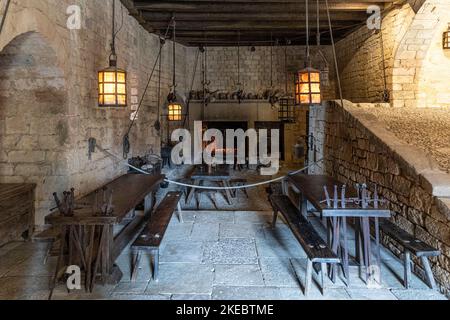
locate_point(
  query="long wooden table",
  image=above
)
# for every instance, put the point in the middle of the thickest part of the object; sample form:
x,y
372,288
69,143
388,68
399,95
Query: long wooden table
x,y
220,174
311,188
91,242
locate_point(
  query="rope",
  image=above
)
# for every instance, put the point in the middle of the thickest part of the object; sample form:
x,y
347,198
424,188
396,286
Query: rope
x,y
126,138
4,15
253,185
336,65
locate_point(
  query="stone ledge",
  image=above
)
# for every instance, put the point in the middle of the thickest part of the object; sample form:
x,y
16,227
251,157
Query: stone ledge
x,y
432,179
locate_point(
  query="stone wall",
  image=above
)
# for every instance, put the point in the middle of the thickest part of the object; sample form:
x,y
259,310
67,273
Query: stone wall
x,y
255,74
69,102
358,149
413,58
360,56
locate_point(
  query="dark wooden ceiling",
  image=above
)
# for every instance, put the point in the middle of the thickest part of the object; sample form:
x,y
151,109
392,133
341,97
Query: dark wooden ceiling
x,y
254,22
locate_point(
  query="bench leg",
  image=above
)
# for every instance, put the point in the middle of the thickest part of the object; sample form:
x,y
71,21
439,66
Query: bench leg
x,y
308,280
135,266
275,218
48,251
156,265
323,274
407,265
180,213
428,273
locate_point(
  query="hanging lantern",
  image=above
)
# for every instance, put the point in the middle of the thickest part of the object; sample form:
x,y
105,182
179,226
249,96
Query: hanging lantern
x,y
307,87
112,86
112,81
446,39
286,110
175,111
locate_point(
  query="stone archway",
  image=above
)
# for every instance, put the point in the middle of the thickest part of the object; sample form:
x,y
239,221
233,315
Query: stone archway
x,y
34,131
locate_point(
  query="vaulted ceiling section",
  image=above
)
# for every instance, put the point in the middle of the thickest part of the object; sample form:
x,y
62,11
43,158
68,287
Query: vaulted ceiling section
x,y
251,22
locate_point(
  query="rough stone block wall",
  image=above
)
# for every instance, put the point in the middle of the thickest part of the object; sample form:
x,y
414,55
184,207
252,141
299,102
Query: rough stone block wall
x,y
358,149
255,69
360,56
68,115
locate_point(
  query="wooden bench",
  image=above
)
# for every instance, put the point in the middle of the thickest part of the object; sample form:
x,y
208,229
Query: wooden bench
x,y
315,247
149,240
48,236
411,245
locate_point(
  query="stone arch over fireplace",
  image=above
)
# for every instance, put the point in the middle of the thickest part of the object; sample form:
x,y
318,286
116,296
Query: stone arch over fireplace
x,y
34,130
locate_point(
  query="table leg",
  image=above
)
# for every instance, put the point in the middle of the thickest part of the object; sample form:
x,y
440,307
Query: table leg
x,y
335,246
378,247
345,253
148,204
366,244
192,192
228,192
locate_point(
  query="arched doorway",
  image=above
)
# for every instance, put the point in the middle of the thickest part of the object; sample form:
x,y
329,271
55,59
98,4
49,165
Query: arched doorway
x,y
34,132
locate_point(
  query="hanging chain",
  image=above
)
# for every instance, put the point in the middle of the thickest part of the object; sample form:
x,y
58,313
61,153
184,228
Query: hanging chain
x,y
307,34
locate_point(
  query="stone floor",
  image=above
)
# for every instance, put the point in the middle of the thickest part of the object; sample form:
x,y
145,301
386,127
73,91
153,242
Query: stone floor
x,y
426,128
212,255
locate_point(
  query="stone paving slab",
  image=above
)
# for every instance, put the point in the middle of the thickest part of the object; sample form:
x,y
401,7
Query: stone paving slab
x,y
262,217
182,278
371,294
246,293
191,297
231,230
205,232
285,248
231,251
315,294
141,297
214,217
412,294
182,251
238,275
278,272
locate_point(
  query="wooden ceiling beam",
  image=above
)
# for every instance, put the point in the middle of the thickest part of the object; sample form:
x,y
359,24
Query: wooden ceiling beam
x,y
244,7
237,16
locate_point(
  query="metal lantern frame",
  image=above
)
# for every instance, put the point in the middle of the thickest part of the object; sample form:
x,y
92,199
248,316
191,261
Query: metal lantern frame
x,y
446,39
287,110
308,87
112,87
112,81
175,112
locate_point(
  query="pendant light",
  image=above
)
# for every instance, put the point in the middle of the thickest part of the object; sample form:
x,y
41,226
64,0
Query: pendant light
x,y
307,81
175,108
446,39
112,81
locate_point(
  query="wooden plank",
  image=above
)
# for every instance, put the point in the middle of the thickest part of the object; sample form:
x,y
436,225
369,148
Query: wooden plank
x,y
244,6
417,247
153,233
250,16
128,192
314,246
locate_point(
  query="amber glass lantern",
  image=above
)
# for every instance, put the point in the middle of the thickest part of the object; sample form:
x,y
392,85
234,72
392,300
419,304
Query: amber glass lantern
x,y
307,87
112,87
175,111
446,39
